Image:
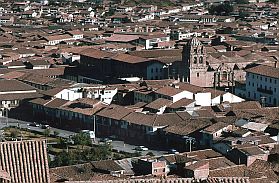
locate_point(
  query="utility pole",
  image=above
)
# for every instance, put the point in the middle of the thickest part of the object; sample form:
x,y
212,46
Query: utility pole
x,y
94,127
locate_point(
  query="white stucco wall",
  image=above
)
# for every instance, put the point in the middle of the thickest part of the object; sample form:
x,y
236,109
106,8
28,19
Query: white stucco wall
x,y
69,94
231,98
203,99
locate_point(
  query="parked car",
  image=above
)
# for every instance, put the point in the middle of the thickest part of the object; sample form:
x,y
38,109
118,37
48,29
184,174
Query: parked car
x,y
34,124
106,140
45,127
173,151
141,148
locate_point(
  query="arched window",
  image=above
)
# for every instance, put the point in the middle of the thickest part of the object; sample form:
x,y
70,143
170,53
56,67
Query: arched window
x,y
202,50
195,60
201,60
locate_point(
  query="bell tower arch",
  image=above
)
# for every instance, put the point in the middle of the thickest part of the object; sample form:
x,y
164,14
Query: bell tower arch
x,y
194,60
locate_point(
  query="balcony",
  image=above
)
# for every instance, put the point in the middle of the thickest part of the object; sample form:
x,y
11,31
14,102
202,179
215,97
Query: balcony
x,y
270,92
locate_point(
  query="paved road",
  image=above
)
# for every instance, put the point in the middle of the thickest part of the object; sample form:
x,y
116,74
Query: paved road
x,y
4,122
117,145
121,146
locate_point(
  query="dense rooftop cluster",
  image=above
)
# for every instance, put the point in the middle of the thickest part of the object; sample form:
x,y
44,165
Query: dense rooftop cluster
x,y
197,77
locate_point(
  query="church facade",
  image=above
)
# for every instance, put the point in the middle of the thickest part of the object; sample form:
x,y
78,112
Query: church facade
x,y
211,69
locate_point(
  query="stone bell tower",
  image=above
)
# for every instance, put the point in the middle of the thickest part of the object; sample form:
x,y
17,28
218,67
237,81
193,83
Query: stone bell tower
x,y
194,62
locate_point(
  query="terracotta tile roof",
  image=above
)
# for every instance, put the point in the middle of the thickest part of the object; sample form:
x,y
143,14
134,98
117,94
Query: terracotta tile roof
x,y
59,71
75,32
86,106
25,161
189,87
106,165
39,101
232,171
203,113
123,57
52,92
265,71
12,75
204,154
157,53
58,37
219,162
228,180
158,103
96,53
19,96
35,79
137,105
251,151
122,38
181,103
114,112
14,85
168,91
82,172
188,126
197,165
153,35
55,103
167,119
140,118
157,83
215,127
184,115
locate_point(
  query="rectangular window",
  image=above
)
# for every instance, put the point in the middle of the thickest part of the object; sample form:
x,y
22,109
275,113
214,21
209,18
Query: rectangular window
x,y
198,74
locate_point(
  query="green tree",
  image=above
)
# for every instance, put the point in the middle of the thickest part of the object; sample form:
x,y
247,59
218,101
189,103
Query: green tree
x,y
274,1
14,133
221,9
63,159
55,133
242,1
46,132
150,154
82,139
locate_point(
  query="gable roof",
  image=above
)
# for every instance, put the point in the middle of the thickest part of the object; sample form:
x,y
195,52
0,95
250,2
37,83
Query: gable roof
x,y
168,91
158,103
264,71
14,85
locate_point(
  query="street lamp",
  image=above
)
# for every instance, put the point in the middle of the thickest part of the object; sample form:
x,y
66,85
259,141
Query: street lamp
x,y
189,140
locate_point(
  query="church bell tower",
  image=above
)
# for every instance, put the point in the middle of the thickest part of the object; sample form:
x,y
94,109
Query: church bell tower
x,y
194,61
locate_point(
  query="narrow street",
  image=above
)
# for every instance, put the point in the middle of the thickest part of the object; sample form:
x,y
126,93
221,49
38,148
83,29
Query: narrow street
x,y
116,145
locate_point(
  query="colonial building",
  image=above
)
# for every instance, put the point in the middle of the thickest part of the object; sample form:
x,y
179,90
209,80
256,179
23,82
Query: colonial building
x,y
262,84
216,69
13,93
199,72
